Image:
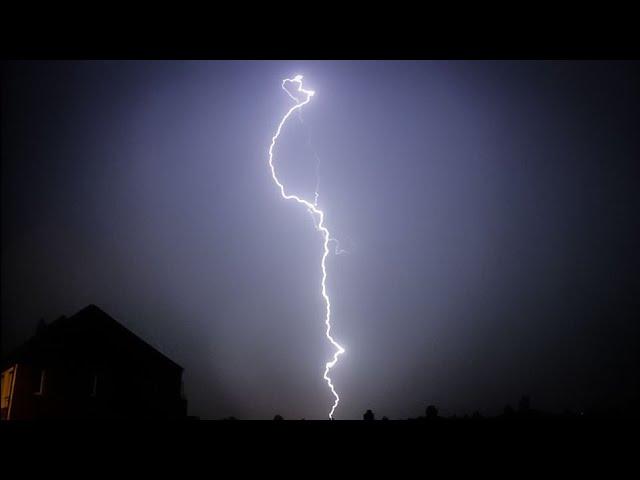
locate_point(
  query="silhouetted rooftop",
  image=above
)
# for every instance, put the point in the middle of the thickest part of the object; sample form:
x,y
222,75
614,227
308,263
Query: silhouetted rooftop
x,y
91,330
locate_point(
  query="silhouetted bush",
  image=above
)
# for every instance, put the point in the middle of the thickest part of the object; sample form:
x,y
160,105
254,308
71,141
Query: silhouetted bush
x,y
524,406
431,413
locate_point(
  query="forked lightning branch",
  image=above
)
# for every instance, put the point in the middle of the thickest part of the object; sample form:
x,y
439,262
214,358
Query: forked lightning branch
x,y
318,216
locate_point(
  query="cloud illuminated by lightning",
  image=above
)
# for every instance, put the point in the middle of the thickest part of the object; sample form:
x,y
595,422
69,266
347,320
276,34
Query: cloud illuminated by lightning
x,y
317,215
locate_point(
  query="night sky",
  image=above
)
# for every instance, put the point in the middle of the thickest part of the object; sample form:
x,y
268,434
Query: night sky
x,y
489,211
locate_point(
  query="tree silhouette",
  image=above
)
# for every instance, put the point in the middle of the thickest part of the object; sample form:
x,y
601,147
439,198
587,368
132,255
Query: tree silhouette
x,y
431,413
508,411
368,416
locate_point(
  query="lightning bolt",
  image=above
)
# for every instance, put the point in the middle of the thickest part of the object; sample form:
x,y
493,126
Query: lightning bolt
x,y
320,226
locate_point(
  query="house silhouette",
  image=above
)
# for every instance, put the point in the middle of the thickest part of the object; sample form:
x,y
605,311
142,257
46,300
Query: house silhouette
x,y
89,366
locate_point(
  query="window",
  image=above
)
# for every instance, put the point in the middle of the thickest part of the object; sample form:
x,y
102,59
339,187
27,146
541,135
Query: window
x,y
7,382
42,380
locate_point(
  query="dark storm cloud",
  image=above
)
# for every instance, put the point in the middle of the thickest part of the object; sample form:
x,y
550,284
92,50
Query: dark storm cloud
x,y
489,209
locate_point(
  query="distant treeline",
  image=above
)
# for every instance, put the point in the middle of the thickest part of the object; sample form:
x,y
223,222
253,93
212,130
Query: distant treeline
x,y
522,412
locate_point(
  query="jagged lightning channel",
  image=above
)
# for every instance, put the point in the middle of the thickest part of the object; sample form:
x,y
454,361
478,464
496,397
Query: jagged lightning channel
x,y
317,214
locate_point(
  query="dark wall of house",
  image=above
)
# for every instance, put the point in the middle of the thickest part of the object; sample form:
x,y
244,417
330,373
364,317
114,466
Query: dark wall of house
x,y
94,368
122,391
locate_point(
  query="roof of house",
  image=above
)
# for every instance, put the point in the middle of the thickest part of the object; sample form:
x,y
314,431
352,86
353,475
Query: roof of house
x,y
90,331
